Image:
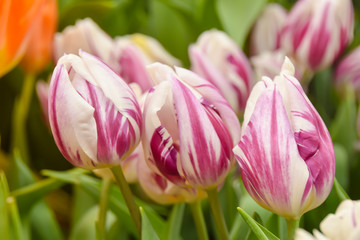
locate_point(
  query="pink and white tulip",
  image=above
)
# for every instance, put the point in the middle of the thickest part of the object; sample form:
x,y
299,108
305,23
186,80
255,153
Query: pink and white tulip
x,y
344,224
189,129
266,34
85,35
217,58
94,115
316,32
285,153
348,71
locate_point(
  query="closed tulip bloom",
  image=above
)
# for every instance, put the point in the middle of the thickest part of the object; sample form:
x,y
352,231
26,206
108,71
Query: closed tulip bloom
x,y
344,224
16,22
217,58
267,30
285,153
348,71
94,115
317,32
189,129
38,52
85,35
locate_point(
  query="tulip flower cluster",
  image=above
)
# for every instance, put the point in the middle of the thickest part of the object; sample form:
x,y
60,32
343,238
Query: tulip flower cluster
x,y
169,131
313,34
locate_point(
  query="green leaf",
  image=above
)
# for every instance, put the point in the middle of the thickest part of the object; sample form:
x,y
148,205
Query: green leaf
x,y
341,193
175,221
260,231
147,230
252,224
23,177
15,218
116,201
31,194
43,223
4,220
238,16
342,165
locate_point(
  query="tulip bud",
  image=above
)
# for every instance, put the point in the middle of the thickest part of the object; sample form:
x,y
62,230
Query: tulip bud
x,y
38,52
348,71
266,33
85,35
218,59
316,32
16,23
285,154
94,116
344,224
189,129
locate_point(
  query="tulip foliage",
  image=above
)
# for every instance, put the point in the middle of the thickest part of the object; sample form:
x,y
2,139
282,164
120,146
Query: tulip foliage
x,y
209,119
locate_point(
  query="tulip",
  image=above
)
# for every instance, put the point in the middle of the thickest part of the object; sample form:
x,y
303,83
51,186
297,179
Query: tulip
x,y
16,23
37,54
285,153
189,129
266,34
85,35
94,115
132,53
348,71
344,224
216,57
316,32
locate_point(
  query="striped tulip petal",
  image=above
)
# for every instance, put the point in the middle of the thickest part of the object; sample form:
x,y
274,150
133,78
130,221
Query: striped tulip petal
x,y
94,116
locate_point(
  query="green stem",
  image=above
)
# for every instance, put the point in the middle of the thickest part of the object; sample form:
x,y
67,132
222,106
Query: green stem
x,y
15,218
292,225
199,220
217,213
129,198
21,110
103,205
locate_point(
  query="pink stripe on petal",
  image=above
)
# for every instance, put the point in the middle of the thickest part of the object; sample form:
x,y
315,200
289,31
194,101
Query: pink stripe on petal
x,y
320,40
204,159
132,67
164,153
212,95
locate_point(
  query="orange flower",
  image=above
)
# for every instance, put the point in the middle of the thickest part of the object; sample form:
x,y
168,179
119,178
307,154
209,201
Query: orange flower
x,y
16,20
38,52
